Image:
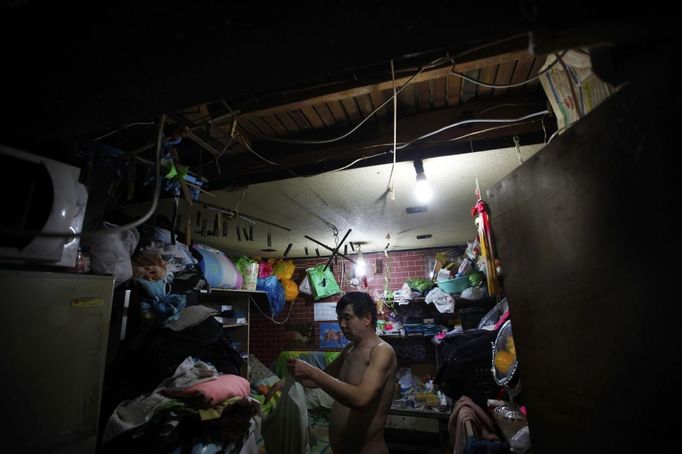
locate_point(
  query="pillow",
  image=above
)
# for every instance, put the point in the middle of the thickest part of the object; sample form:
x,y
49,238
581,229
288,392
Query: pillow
x,y
218,270
216,391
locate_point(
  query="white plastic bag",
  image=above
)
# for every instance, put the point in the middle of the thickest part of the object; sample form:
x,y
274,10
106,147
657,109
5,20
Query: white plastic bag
x,y
110,252
472,293
304,286
444,302
520,442
285,428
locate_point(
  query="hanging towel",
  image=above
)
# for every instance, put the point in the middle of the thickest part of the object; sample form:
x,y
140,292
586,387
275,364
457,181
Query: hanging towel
x,y
466,410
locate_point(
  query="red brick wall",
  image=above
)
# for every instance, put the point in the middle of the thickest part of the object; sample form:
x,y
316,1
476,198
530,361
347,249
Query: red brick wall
x,y
268,338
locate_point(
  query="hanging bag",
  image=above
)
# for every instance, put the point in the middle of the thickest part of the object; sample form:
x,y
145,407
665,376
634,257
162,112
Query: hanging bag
x,y
322,282
285,428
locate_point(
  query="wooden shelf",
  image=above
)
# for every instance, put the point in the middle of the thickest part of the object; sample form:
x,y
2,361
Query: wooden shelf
x,y
235,325
237,290
259,297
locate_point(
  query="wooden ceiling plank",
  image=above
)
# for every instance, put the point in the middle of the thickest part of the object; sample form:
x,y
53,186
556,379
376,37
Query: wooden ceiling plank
x,y
352,110
289,124
429,74
300,120
338,112
487,75
407,104
312,117
521,72
504,75
325,114
469,89
378,99
263,127
276,125
453,87
422,92
365,104
438,92
537,64
250,129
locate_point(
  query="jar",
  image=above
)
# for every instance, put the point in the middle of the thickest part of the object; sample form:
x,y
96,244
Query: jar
x,y
82,262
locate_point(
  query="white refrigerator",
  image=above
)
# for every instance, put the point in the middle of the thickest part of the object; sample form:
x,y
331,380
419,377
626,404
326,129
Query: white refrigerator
x,y
53,344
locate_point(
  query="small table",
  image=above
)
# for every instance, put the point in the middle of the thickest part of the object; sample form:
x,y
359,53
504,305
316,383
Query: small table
x,y
421,420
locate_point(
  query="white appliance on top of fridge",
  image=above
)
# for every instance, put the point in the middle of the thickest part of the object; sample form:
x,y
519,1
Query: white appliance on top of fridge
x,y
53,343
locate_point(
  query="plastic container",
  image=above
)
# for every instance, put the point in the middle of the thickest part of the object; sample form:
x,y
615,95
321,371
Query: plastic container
x,y
250,276
509,419
456,285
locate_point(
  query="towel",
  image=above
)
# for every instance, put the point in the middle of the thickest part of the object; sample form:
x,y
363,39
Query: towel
x,y
466,410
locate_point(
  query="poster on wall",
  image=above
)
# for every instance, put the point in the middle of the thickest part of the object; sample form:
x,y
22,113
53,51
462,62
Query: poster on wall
x,y
331,336
325,311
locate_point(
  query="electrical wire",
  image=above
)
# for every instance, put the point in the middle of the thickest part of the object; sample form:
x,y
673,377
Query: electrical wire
x,y
121,128
464,122
291,306
482,131
518,84
351,164
248,147
113,230
556,133
391,186
405,144
438,61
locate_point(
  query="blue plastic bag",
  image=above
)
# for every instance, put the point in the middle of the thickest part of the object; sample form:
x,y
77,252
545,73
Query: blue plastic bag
x,y
275,293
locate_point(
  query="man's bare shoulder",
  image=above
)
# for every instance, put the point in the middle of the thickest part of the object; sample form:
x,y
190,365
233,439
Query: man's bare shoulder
x,y
383,349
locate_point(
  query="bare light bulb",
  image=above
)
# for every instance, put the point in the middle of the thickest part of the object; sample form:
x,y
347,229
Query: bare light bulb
x,y
423,189
360,266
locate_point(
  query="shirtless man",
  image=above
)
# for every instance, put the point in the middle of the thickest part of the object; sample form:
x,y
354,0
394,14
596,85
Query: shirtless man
x,y
360,380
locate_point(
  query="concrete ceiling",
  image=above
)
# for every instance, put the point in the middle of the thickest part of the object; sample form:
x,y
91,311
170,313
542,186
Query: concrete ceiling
x,y
357,199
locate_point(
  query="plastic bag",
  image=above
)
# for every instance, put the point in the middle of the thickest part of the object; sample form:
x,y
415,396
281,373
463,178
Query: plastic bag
x,y
290,289
493,315
304,286
472,293
444,302
110,253
520,442
322,282
285,428
275,291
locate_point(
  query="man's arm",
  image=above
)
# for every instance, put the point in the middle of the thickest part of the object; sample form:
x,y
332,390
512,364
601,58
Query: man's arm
x,y
333,369
353,396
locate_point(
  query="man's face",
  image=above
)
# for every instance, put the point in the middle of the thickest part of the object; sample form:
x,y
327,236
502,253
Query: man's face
x,y
351,325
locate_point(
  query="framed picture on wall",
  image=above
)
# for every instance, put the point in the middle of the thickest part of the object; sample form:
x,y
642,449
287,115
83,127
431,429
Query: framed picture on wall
x,y
331,336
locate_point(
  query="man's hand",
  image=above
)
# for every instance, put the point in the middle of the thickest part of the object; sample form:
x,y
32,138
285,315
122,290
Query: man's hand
x,y
273,389
300,370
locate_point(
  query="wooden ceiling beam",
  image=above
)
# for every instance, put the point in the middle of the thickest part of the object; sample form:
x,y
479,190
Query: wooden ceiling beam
x,y
464,65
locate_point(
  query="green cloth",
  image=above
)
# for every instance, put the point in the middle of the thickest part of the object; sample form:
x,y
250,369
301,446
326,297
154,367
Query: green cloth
x,y
318,359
